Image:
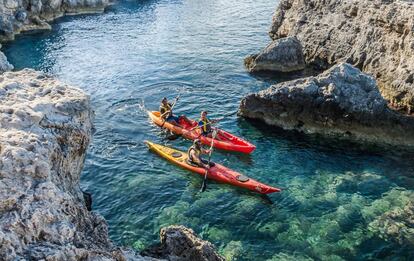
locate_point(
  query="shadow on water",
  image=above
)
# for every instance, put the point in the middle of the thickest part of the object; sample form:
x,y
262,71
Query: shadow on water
x,y
324,143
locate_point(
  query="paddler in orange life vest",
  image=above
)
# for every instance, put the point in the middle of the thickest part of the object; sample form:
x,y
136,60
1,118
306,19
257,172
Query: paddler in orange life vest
x,y
167,114
205,124
195,152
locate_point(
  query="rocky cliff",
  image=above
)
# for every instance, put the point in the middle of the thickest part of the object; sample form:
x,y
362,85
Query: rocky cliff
x,y
4,64
45,129
22,15
343,101
17,16
376,36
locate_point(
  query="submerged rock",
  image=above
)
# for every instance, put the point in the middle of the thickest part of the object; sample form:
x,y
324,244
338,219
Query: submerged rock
x,y
17,16
375,36
282,55
181,244
397,225
342,101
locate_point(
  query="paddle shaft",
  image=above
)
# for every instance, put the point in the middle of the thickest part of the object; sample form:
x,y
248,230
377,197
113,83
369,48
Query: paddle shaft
x,y
204,185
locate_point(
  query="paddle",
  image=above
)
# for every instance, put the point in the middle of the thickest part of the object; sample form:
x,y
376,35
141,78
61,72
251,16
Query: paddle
x,y
204,185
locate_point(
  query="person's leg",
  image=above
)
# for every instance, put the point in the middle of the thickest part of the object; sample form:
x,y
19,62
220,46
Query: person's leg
x,y
173,120
184,118
206,162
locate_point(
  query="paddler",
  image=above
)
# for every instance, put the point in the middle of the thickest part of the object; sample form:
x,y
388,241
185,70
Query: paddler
x,y
167,113
205,124
195,152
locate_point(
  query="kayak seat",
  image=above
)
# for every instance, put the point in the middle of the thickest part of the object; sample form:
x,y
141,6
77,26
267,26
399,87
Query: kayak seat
x,y
212,164
242,178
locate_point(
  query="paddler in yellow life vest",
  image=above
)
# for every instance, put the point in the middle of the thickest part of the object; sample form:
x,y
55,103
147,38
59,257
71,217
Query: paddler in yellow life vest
x,y
167,114
205,124
195,152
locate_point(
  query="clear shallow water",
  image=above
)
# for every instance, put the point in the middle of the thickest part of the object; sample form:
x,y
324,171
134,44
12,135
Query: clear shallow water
x,y
140,51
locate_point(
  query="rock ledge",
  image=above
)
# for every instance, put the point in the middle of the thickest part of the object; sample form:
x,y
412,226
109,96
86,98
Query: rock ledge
x,y
342,102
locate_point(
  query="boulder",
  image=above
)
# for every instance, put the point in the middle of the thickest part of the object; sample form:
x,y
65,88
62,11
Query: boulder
x,y
282,55
342,101
376,36
179,243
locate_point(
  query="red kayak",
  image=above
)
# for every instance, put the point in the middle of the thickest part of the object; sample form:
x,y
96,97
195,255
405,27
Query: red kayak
x,y
224,140
216,172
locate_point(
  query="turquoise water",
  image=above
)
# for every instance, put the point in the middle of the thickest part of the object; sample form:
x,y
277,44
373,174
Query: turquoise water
x,y
334,193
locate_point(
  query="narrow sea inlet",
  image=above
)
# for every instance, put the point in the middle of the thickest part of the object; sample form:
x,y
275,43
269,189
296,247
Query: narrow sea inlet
x,y
336,196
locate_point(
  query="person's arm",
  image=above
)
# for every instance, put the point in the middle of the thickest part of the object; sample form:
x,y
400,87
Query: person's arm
x,y
165,114
214,121
199,124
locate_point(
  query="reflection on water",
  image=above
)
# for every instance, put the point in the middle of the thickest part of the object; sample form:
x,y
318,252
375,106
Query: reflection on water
x,y
335,196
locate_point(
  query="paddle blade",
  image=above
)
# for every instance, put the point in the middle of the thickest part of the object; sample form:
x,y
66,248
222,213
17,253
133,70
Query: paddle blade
x,y
173,136
203,186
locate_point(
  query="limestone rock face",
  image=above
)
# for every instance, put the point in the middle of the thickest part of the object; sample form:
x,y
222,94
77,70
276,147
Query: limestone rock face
x,y
22,15
45,128
179,243
4,64
282,55
376,36
342,101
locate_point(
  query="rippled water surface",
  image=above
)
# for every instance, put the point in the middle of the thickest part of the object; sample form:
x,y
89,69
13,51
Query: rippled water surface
x,y
335,194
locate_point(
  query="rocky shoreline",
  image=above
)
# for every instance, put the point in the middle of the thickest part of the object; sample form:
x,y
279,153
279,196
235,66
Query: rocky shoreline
x,y
341,102
46,127
21,16
366,48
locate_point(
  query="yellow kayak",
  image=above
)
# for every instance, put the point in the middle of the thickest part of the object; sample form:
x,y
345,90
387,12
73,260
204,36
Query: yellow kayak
x,y
216,172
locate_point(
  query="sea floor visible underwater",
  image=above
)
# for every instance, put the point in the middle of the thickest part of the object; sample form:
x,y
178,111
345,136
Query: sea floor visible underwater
x,y
340,201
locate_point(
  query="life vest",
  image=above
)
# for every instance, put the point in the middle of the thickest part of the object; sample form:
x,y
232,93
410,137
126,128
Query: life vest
x,y
197,151
164,108
205,126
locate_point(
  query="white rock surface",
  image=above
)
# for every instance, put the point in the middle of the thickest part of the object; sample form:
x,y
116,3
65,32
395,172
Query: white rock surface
x,y
45,128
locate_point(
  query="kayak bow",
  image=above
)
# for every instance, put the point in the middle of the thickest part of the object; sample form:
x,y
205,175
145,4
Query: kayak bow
x,y
217,172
